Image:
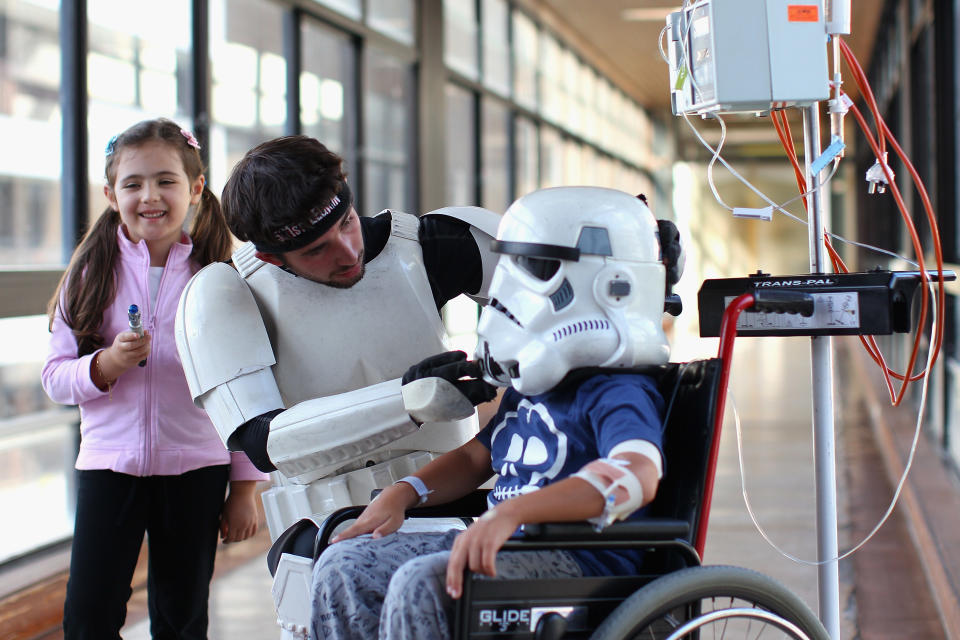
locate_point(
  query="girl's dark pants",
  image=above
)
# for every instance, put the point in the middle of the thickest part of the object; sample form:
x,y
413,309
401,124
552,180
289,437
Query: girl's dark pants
x,y
180,515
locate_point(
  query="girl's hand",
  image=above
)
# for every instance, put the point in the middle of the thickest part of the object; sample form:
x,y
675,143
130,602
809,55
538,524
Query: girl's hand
x,y
127,350
477,547
384,515
239,518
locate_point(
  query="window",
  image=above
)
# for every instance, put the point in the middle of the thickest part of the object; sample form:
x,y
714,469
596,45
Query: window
x,y
38,444
461,147
388,133
527,156
136,69
248,99
349,8
495,141
551,157
394,18
327,103
30,129
496,46
460,37
525,49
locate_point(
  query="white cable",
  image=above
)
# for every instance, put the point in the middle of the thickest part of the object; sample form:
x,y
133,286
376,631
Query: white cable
x,y
663,54
896,494
780,207
713,160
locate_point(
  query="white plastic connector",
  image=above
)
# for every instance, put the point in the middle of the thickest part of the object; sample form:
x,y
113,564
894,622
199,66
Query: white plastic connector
x,y
877,177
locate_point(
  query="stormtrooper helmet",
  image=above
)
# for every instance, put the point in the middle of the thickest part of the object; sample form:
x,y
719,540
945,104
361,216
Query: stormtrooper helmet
x,y
579,283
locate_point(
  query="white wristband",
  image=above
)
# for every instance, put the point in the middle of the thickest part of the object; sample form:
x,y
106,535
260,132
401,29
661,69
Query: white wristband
x,y
418,486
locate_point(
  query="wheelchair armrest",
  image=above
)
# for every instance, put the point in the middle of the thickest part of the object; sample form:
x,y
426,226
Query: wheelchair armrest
x,y
470,505
649,533
646,529
330,523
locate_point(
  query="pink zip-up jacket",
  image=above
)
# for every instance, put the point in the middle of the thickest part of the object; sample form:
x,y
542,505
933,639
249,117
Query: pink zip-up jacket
x,y
147,425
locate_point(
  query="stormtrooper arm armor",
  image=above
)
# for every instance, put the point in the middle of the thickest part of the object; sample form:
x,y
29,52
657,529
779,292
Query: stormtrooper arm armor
x,y
483,227
228,370
316,437
229,374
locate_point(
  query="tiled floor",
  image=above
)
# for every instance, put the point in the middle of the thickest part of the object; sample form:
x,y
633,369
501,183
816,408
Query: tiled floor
x,y
772,395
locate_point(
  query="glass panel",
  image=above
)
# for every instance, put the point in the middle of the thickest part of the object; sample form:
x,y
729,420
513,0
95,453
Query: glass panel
x,y
460,36
249,92
588,97
605,121
572,153
460,147
327,102
551,79
527,155
551,157
30,129
588,167
496,46
350,8
37,444
525,48
569,89
388,121
394,18
136,69
495,152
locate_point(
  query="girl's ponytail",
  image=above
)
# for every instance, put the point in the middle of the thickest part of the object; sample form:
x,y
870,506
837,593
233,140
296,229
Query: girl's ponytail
x,y
89,283
212,241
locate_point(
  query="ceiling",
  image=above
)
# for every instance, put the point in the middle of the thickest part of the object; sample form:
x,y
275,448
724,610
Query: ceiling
x,y
622,38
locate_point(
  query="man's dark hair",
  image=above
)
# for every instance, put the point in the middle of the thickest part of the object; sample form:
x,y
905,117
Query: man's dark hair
x,y
277,183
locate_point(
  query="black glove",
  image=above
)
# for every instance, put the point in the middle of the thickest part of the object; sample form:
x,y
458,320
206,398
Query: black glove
x,y
452,366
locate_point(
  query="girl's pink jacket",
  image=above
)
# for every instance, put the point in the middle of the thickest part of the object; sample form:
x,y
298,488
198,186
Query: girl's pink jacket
x,y
148,424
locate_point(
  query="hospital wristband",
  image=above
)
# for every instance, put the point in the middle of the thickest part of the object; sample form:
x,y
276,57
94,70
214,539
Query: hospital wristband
x,y
418,486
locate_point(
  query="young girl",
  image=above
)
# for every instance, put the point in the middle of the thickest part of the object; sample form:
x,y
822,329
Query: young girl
x,y
150,461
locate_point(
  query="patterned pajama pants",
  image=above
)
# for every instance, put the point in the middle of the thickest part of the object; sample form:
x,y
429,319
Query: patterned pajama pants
x,y
394,587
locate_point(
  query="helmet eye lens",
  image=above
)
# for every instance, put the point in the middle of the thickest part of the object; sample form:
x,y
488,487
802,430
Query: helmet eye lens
x,y
540,268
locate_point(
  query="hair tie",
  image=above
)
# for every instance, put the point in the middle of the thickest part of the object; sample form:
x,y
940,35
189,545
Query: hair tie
x,y
111,146
191,140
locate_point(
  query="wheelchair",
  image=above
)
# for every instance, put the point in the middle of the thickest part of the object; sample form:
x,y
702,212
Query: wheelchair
x,y
674,596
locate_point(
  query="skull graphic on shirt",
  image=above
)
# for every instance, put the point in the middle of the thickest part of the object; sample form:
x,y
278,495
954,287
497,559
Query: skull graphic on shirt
x,y
529,461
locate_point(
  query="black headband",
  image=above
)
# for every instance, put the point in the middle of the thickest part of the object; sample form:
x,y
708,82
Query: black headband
x,y
299,234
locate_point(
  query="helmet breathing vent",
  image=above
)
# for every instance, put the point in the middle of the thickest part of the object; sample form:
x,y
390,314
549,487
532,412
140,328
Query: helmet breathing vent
x,y
496,304
580,327
562,296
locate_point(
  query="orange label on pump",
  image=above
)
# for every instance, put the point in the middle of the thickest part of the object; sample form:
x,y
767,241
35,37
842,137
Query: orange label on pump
x,y
803,13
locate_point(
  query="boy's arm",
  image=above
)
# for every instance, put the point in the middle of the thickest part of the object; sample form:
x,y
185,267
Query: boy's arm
x,y
451,476
569,500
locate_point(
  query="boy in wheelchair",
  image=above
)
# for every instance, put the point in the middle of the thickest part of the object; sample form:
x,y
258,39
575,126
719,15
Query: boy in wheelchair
x,y
577,296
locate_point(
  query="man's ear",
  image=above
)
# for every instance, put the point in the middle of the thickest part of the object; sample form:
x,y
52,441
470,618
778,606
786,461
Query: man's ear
x,y
269,258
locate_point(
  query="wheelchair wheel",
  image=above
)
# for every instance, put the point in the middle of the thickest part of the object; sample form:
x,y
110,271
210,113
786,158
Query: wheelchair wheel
x,y
712,602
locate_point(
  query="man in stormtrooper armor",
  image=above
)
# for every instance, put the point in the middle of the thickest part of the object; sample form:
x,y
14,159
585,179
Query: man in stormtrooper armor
x,y
297,349
576,306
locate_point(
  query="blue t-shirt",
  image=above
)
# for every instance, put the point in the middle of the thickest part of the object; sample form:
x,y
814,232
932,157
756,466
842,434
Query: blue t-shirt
x,y
537,440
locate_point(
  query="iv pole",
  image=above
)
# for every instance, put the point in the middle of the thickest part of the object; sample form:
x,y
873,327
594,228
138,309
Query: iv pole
x,y
821,348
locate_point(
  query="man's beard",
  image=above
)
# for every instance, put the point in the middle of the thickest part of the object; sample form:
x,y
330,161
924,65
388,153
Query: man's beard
x,y
346,284
336,284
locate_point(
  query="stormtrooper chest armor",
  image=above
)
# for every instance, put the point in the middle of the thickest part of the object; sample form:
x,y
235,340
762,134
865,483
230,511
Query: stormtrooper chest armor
x,y
328,340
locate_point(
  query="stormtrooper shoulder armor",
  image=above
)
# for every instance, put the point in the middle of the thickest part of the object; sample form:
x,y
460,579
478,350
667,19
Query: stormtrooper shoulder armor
x,y
483,226
225,350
